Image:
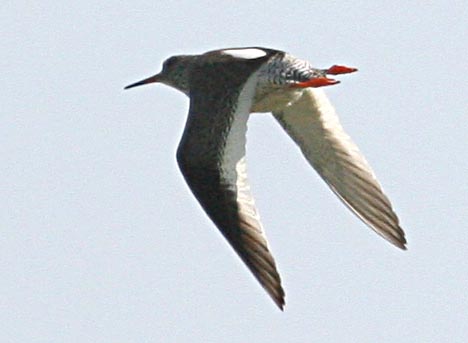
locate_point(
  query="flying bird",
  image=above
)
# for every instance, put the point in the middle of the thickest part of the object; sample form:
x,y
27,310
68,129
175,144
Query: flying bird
x,y
224,87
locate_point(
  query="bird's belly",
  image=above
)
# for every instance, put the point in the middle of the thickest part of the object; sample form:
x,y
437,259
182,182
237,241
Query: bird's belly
x,y
274,100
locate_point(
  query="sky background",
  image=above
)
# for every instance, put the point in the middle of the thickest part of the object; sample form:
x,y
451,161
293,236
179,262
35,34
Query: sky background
x,y
101,240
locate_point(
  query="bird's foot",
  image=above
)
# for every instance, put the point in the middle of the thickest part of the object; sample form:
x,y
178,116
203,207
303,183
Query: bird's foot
x,y
337,70
315,82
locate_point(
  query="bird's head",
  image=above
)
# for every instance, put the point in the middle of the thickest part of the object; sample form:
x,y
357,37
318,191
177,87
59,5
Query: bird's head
x,y
174,73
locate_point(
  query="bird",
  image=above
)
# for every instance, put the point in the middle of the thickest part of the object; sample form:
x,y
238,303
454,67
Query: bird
x,y
224,87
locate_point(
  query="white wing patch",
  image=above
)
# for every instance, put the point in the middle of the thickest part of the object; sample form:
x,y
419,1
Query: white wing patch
x,y
234,149
248,54
233,166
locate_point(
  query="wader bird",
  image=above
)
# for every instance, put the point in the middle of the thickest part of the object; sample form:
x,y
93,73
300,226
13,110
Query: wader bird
x,y
224,87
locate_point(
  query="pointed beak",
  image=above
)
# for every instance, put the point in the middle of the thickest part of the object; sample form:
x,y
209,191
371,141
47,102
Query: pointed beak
x,y
152,79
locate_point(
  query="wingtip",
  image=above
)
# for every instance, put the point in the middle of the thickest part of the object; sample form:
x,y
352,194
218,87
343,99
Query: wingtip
x,y
277,294
399,242
279,297
401,245
280,303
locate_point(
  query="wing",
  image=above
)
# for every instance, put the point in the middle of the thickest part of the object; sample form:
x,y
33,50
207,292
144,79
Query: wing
x,y
211,156
312,123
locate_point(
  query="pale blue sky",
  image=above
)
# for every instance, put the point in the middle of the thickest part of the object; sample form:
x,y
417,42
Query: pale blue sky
x,y
101,240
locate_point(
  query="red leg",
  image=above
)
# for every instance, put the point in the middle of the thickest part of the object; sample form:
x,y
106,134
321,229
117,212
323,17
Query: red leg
x,y
336,70
315,82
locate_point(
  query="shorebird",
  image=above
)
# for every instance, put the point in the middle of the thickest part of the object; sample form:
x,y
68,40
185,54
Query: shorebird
x,y
224,87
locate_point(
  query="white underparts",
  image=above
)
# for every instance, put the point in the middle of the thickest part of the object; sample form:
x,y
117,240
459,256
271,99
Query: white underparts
x,y
250,53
